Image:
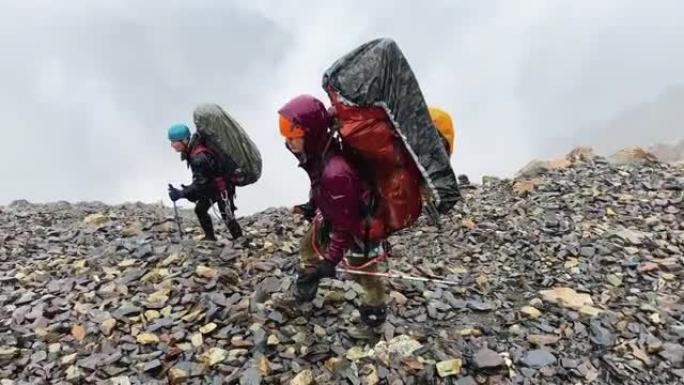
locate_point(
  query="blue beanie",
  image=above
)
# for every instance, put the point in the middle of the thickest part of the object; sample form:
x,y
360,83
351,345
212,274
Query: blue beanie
x,y
179,132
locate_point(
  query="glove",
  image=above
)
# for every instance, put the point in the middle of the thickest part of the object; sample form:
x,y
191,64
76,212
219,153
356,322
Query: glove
x,y
307,281
174,193
324,269
307,210
327,269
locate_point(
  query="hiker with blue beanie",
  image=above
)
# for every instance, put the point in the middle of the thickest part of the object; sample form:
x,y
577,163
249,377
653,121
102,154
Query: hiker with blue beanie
x,y
210,184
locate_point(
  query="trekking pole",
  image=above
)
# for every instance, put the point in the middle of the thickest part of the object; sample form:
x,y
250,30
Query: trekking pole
x,y
398,276
177,217
230,216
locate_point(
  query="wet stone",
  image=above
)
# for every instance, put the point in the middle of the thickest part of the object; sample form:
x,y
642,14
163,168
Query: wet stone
x,y
487,359
595,248
250,377
587,252
569,363
673,352
480,305
469,380
600,335
38,356
151,366
538,358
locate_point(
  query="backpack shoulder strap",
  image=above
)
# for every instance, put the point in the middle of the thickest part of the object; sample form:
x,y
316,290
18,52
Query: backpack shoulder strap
x,y
199,149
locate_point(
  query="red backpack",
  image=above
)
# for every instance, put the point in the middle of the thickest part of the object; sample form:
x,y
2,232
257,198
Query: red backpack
x,y
372,145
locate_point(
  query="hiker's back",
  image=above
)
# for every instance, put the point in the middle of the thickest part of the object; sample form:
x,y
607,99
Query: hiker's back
x,y
202,157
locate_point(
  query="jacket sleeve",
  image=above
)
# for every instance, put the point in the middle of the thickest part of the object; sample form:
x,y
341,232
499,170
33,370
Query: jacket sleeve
x,y
201,166
309,208
340,197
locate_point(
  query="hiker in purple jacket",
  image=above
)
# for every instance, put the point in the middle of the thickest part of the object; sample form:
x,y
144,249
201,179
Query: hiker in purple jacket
x,y
338,198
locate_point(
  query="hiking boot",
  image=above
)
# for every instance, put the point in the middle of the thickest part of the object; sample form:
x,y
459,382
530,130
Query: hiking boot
x,y
361,333
308,210
286,304
209,238
308,279
305,290
373,316
235,230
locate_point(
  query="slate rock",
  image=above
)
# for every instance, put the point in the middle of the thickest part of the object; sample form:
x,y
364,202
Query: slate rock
x,y
538,358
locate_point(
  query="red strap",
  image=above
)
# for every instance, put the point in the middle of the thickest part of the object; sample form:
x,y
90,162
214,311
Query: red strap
x,y
198,149
220,182
372,261
344,263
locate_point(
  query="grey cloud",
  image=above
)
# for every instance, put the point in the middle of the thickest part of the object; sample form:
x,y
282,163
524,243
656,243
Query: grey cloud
x,y
88,88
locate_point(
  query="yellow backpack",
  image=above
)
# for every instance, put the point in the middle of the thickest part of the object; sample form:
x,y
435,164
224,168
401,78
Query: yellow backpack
x,y
442,120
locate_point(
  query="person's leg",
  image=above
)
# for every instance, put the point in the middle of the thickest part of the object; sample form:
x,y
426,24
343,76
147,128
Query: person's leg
x,y
222,209
307,254
231,197
373,309
308,259
202,211
229,220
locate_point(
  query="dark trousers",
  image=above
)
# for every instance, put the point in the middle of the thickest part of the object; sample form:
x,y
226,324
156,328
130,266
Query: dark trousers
x,y
202,210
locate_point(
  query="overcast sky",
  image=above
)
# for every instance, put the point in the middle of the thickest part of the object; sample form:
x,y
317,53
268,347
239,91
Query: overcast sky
x,y
88,88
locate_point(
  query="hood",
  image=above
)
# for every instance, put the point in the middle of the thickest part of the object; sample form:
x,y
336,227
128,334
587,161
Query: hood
x,y
309,113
